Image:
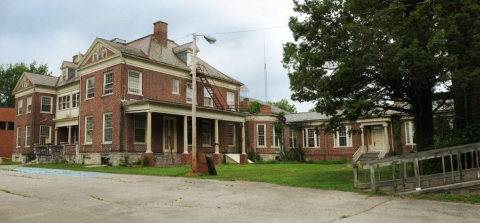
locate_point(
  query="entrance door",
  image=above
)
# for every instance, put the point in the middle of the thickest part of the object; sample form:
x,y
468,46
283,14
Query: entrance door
x,y
377,132
169,134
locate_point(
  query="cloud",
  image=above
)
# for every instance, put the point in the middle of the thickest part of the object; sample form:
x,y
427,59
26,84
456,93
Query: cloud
x,y
53,31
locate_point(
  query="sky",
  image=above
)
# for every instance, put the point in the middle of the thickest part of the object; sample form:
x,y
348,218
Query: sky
x,y
53,31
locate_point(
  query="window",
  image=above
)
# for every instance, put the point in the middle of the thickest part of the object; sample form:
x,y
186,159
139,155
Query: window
x,y
293,138
311,138
231,134
29,104
175,86
90,87
3,126
207,98
273,137
47,104
107,127
99,53
134,82
206,133
9,125
231,100
261,135
20,107
139,122
64,75
44,134
409,133
75,100
88,129
19,134
27,136
189,93
343,137
108,83
25,84
64,102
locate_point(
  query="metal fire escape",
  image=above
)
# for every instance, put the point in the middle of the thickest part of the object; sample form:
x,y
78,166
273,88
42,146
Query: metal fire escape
x,y
215,93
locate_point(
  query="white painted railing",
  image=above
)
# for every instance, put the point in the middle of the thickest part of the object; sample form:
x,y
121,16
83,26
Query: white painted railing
x,y
385,150
358,153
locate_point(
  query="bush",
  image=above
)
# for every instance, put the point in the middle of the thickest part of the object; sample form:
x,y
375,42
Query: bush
x,y
294,154
254,156
144,161
254,107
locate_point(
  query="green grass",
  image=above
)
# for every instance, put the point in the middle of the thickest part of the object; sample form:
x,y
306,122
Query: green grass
x,y
10,163
327,177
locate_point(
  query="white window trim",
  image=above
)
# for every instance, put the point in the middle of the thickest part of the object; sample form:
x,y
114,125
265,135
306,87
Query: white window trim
x,y
275,142
189,86
86,88
135,129
29,110
104,82
315,135
74,94
49,134
410,126
207,95
51,104
234,134
59,106
103,128
233,97
28,134
85,131
140,83
209,134
165,119
336,140
18,139
20,107
292,137
178,86
264,136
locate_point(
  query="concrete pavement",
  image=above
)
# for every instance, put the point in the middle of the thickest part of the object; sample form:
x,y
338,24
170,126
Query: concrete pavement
x,y
125,198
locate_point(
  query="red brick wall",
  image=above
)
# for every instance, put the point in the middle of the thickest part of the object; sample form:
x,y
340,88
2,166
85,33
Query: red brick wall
x,y
7,136
251,135
35,119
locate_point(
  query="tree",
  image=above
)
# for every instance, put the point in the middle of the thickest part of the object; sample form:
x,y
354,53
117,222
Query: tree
x,y
311,110
283,104
9,75
359,57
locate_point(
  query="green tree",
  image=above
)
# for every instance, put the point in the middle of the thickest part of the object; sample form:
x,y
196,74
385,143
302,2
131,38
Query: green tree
x,y
283,104
9,75
359,56
311,110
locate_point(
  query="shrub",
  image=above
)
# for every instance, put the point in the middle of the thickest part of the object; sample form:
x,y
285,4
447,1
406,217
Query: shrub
x,y
144,161
294,154
254,107
254,156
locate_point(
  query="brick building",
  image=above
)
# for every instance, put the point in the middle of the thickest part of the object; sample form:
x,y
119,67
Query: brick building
x,y
121,100
7,117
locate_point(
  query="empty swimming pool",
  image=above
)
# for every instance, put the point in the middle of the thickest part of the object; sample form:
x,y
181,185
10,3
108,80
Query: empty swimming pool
x,y
67,173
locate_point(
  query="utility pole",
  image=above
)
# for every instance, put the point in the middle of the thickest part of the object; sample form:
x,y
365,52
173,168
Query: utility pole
x,y
265,69
194,105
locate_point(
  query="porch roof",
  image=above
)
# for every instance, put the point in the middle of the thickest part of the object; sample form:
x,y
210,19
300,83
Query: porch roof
x,y
173,108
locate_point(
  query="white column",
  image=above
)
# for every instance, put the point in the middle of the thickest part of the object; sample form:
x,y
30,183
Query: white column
x,y
56,138
217,147
243,138
363,138
385,130
149,132
185,134
69,134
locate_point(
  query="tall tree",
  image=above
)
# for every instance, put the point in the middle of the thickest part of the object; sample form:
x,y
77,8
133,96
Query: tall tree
x,y
360,56
283,104
9,75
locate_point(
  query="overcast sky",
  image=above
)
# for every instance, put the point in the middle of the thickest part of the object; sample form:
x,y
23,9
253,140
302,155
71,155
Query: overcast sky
x,y
52,31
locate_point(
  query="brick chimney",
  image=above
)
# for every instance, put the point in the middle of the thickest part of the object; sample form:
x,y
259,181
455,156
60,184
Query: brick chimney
x,y
160,31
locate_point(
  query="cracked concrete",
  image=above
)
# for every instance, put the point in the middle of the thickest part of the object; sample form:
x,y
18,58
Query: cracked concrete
x,y
127,198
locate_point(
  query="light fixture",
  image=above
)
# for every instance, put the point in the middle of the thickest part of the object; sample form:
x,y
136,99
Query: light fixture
x,y
210,39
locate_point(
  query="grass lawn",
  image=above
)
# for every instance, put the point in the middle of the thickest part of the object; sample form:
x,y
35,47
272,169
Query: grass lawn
x,y
10,163
321,176
328,177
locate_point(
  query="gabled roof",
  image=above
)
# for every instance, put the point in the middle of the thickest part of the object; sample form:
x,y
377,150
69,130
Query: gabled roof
x,y
211,71
306,116
40,79
68,64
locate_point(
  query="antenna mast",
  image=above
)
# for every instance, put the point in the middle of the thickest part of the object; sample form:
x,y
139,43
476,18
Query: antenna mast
x,y
265,69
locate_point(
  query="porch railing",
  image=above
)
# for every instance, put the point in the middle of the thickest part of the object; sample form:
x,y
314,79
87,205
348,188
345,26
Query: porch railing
x,y
385,150
360,151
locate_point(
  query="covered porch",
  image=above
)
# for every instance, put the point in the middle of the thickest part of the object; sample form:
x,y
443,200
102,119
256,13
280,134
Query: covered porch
x,y
375,138
165,130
